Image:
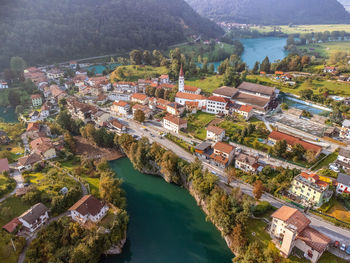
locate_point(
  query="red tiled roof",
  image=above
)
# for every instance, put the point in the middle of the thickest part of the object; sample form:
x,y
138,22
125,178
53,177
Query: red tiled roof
x,y
120,103
191,88
188,96
193,104
292,216
219,158
11,226
117,124
178,121
215,129
139,96
291,140
35,96
33,126
224,147
164,77
181,72
246,108
88,204
167,86
315,178
314,239
218,99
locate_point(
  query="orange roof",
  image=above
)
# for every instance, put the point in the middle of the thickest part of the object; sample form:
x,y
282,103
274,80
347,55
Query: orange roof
x,y
215,129
291,140
279,72
167,86
120,103
33,126
314,239
174,119
246,108
11,226
35,96
126,83
189,96
219,158
193,104
117,124
191,88
224,147
139,96
292,216
218,99
164,77
315,178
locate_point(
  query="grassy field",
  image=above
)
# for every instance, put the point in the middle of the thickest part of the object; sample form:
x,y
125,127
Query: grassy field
x,y
133,72
326,49
197,123
14,206
208,84
325,162
7,184
299,29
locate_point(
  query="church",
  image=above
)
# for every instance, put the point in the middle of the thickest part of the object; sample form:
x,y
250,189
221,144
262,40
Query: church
x,y
184,88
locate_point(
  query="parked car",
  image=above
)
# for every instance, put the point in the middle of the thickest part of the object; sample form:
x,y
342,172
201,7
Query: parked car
x,y
334,167
342,247
336,244
348,250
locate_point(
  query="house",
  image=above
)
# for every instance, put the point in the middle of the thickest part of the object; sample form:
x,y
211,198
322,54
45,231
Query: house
x,y
225,92
164,79
3,84
343,183
45,111
73,64
309,189
27,162
12,225
82,111
275,136
88,208
57,93
34,217
118,96
35,130
174,124
329,69
184,88
290,229
146,110
116,125
36,75
34,116
246,111
223,154
139,98
343,159
175,108
120,107
101,117
182,98
203,150
215,133
36,100
4,165
192,106
43,147
101,99
247,163
345,130
54,74
123,86
158,103
217,105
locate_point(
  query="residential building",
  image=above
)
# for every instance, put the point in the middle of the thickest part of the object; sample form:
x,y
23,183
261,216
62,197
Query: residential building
x,y
34,116
118,96
34,217
43,147
144,108
175,108
345,130
343,183
12,225
82,111
174,124
158,103
139,98
225,92
120,107
247,163
123,86
217,105
54,73
329,69
184,88
290,229
4,165
116,125
215,133
246,111
88,208
36,75
223,154
45,111
27,162
3,84
343,159
203,150
164,79
309,189
36,100
276,136
183,98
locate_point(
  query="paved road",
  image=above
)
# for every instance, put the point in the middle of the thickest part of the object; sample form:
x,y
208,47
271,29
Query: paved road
x,y
334,232
19,184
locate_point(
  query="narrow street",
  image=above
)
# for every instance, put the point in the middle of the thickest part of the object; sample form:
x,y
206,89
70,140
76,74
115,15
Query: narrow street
x,y
19,184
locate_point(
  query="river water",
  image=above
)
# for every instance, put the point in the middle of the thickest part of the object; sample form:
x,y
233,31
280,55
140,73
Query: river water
x,y
166,225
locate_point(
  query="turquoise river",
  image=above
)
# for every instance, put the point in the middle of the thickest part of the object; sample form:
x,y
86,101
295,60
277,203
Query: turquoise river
x,y
166,225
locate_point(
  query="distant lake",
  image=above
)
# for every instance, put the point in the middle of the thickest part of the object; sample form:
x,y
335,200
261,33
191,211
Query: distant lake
x,y
256,49
98,69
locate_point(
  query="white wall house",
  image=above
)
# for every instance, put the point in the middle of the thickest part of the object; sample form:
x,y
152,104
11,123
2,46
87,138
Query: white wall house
x,y
34,217
3,85
217,105
174,124
343,185
215,134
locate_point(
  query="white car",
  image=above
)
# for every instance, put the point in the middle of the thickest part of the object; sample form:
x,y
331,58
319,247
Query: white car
x,y
342,247
334,167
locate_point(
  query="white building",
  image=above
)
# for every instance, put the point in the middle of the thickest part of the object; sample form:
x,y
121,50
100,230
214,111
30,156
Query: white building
x,y
184,88
174,124
246,163
343,185
54,73
34,217
88,208
183,98
120,107
217,105
215,133
3,85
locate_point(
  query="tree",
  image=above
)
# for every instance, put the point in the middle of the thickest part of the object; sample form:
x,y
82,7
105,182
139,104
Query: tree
x,y
110,191
147,57
14,98
136,57
231,175
139,116
298,151
310,156
280,148
265,65
256,68
239,240
258,189
231,78
17,65
69,140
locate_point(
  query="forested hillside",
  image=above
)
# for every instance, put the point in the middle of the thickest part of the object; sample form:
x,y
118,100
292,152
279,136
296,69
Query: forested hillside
x,y
45,31
273,12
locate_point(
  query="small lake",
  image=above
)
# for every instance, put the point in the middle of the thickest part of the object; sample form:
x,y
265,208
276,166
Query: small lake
x,y
166,225
256,49
8,114
98,69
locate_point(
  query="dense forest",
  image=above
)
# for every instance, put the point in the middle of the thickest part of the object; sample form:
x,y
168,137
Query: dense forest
x,y
273,12
47,31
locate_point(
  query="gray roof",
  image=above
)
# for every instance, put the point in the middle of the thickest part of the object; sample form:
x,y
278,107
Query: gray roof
x,y
226,91
343,179
257,88
34,213
344,152
203,146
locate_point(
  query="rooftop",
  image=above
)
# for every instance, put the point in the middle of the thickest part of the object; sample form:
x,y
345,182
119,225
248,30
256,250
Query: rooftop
x,y
223,147
292,216
215,129
189,96
139,96
225,91
256,88
344,152
4,165
343,179
218,99
174,119
34,213
88,204
314,239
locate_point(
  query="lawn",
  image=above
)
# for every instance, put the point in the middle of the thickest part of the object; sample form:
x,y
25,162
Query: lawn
x,y
326,49
327,257
14,207
208,84
93,184
196,124
325,162
7,184
299,29
339,211
134,73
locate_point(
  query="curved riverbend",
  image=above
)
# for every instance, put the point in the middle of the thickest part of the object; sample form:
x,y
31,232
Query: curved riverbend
x,y
166,225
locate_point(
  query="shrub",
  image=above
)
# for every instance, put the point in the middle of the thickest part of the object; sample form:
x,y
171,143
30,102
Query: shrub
x,y
261,208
